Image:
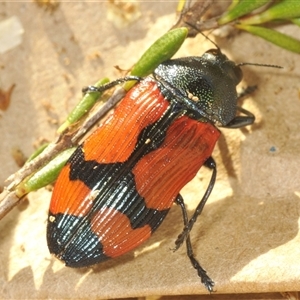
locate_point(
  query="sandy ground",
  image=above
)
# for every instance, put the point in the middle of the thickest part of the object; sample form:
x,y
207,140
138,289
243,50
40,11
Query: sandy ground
x,y
248,236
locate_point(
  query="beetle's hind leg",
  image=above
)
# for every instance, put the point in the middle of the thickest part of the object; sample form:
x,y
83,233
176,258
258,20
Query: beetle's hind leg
x,y
205,279
211,164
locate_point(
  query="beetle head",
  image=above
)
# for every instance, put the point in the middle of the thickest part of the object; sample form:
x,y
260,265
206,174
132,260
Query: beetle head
x,y
209,81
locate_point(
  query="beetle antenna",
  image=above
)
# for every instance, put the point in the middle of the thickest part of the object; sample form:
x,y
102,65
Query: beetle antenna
x,y
210,41
195,27
259,65
238,65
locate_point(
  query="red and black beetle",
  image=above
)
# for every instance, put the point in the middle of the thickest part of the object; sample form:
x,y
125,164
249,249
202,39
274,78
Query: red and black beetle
x,y
119,185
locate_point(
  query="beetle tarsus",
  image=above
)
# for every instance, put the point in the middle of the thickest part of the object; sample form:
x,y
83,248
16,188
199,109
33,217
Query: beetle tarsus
x,y
180,239
205,279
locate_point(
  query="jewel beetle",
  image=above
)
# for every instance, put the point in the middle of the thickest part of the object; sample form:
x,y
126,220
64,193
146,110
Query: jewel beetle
x,y
118,186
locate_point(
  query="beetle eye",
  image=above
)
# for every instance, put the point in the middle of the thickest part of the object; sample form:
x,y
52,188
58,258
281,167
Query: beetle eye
x,y
214,52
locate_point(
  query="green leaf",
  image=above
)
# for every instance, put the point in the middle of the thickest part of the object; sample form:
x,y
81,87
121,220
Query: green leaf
x,y
164,48
240,9
275,37
45,175
283,10
85,104
233,4
37,152
296,21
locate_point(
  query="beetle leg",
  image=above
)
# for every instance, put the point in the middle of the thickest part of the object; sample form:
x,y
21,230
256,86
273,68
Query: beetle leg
x,y
205,279
246,92
104,87
241,121
248,118
211,164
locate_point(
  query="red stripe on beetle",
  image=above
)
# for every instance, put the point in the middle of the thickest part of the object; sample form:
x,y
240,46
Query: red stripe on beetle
x,y
187,146
70,197
143,105
115,232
